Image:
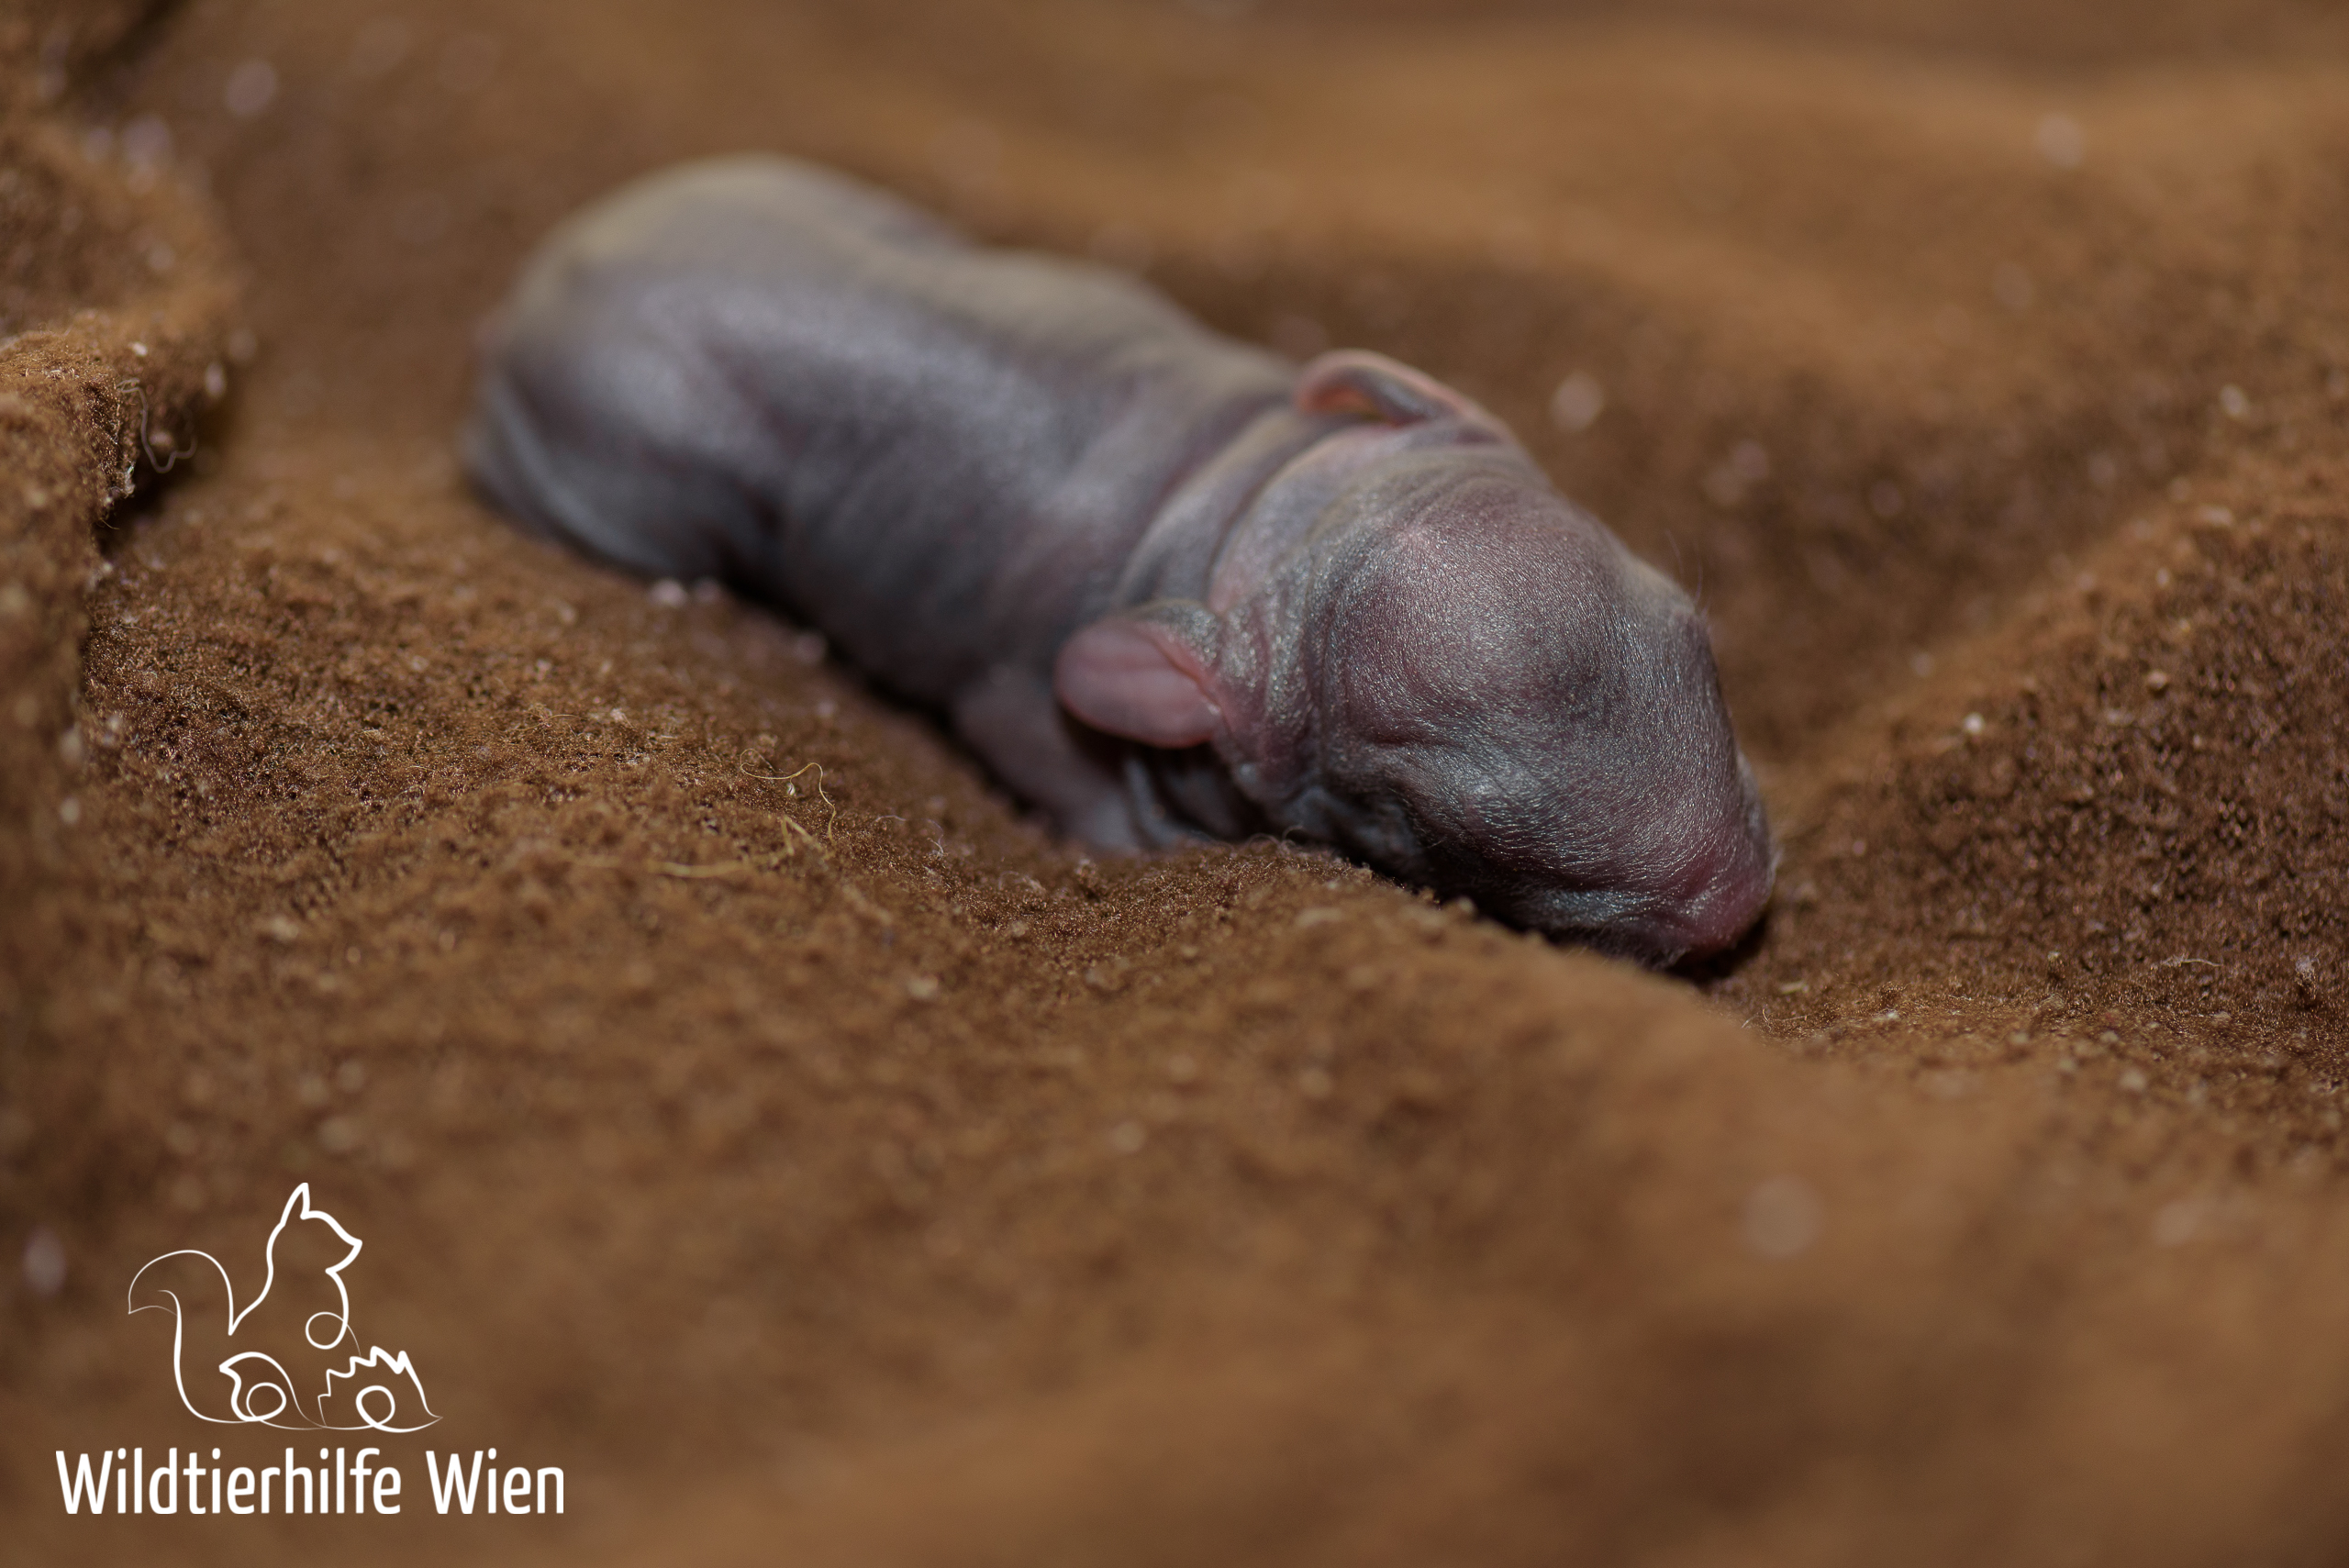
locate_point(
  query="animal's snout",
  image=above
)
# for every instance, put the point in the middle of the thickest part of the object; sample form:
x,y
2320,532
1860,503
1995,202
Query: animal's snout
x,y
1725,885
1724,913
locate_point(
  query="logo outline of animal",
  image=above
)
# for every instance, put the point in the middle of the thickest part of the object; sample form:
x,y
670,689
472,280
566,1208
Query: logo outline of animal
x,y
268,1375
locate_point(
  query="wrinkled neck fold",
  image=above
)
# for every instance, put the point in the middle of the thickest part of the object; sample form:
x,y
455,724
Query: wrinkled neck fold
x,y
1177,555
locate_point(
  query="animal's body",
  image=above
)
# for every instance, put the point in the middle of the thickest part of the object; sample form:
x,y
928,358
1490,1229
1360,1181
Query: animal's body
x,y
1163,583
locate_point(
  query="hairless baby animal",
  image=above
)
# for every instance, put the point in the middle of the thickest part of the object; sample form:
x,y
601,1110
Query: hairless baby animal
x,y
1166,585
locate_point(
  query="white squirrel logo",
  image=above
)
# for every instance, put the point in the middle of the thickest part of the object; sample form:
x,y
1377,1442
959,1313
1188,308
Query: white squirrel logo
x,y
259,1387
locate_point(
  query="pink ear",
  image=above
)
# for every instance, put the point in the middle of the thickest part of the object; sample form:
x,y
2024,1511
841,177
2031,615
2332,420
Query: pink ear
x,y
1355,381
1130,678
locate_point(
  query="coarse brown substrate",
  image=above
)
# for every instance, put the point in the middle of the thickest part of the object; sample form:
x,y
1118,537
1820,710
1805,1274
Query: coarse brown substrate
x,y
746,1110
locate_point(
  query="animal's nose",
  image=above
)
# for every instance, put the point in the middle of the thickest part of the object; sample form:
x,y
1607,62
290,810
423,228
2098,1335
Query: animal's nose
x,y
1723,890
1725,912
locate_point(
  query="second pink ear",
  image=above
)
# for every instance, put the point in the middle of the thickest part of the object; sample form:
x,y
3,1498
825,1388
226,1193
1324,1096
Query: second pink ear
x,y
1355,381
1131,679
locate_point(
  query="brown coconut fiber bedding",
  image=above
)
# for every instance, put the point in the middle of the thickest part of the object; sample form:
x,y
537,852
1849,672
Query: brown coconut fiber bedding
x,y
746,1111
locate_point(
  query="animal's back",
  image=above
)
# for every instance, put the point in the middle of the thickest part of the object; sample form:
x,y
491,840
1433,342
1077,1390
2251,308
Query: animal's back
x,y
756,371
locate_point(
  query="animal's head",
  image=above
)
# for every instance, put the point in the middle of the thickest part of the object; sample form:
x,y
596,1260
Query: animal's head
x,y
1416,650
